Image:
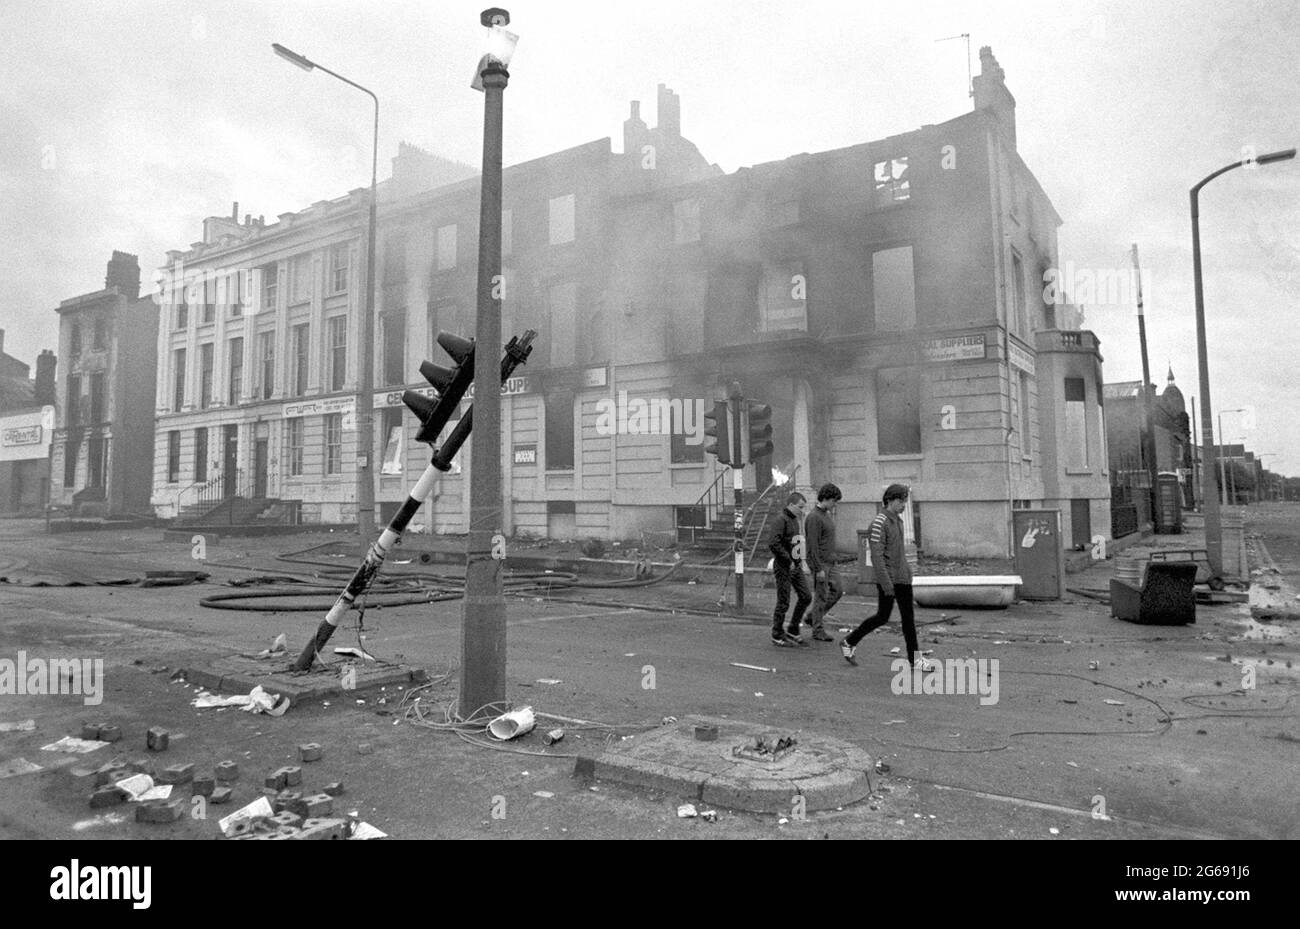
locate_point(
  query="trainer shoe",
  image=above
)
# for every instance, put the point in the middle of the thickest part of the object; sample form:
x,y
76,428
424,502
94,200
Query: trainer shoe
x,y
848,652
781,641
795,639
819,635
923,664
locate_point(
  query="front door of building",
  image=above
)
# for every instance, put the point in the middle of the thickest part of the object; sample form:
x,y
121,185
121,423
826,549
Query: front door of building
x,y
260,465
230,462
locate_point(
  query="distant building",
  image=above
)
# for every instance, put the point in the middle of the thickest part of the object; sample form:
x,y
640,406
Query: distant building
x,y
27,416
1130,474
886,299
103,446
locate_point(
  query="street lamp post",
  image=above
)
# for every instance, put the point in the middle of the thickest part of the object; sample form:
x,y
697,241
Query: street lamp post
x,y
366,353
1222,456
483,628
1213,519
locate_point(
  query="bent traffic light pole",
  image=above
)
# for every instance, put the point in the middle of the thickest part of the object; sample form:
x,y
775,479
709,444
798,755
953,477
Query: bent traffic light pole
x,y
517,353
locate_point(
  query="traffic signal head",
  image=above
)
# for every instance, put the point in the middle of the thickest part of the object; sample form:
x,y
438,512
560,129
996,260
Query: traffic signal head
x,y
758,435
450,383
716,423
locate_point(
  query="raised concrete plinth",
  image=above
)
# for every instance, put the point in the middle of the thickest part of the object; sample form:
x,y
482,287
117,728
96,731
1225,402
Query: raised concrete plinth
x,y
827,773
239,675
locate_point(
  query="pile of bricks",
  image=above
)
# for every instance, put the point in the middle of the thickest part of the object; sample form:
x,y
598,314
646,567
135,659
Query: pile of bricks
x,y
296,813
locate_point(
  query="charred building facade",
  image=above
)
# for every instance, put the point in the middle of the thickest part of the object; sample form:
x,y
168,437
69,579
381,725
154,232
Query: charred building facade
x,y
102,449
886,299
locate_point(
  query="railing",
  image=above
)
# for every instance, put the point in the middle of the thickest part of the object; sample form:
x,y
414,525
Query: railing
x,y
757,532
711,503
179,503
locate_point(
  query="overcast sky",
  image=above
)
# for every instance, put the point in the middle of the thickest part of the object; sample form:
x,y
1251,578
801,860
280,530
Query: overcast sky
x,y
123,124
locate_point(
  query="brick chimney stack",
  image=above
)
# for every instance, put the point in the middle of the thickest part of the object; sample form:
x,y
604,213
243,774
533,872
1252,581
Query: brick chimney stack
x,y
634,130
124,274
44,382
991,93
670,112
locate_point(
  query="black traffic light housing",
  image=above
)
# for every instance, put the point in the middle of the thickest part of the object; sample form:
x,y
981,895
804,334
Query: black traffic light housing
x,y
757,430
450,383
717,426
517,353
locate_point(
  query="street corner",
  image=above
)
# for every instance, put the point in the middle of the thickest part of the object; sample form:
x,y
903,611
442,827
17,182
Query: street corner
x,y
739,765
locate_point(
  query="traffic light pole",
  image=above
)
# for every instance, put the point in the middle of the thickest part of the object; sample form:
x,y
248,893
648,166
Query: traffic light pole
x,y
738,479
483,627
370,566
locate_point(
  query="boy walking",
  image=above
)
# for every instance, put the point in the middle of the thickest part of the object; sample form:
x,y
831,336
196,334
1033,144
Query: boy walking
x,y
820,530
893,579
788,567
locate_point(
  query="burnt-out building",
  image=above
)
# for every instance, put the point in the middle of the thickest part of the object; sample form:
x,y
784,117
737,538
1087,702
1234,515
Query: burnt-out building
x,y
886,299
102,453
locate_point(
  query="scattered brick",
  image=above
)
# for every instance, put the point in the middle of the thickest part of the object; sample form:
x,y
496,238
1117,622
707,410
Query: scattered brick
x,y
160,811
112,771
277,780
318,806
141,766
110,733
90,732
309,752
111,795
292,776
227,771
287,818
156,739
334,789
177,774
220,795
286,800
322,829
204,785
365,748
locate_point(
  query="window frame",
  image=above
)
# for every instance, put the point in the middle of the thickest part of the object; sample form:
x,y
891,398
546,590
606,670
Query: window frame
x,y
343,249
294,436
333,443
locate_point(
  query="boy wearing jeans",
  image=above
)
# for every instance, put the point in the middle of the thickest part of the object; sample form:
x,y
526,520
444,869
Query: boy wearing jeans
x,y
893,579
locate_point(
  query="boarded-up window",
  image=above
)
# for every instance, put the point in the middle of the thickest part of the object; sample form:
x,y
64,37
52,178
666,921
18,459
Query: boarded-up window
x,y
564,318
1076,424
893,287
173,456
559,430
301,358
200,455
394,366
1025,425
898,411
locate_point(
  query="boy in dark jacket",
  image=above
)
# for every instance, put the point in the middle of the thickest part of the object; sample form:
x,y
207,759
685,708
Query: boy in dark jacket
x,y
819,528
893,579
788,553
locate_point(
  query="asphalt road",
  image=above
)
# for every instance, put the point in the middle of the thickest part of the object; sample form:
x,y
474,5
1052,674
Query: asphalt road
x,y
1181,750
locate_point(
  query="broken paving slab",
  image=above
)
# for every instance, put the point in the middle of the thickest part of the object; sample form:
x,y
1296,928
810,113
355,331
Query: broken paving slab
x,y
828,773
239,674
1277,605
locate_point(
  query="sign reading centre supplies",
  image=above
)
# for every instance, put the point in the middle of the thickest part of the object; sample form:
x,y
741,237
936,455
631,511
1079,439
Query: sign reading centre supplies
x,y
957,348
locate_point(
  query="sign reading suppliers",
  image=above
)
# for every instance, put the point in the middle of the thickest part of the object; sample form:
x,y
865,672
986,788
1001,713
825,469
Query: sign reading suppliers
x,y
957,348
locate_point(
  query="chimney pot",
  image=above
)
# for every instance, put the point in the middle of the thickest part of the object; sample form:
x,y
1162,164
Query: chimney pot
x,y
234,211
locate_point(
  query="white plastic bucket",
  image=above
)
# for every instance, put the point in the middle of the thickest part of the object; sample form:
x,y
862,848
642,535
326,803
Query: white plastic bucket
x,y
513,724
